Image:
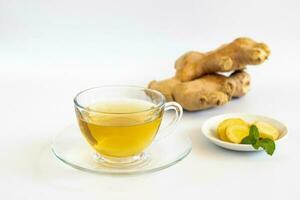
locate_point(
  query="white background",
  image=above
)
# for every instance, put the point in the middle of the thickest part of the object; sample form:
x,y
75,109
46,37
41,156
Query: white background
x,y
49,50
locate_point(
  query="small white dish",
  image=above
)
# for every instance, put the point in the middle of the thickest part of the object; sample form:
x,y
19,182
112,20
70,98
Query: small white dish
x,y
209,130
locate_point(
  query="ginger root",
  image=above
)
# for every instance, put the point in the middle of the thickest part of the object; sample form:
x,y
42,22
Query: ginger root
x,y
197,86
208,91
231,57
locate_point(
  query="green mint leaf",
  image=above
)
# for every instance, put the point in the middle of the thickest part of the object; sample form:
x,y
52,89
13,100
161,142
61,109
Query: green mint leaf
x,y
253,136
248,140
256,145
254,132
267,144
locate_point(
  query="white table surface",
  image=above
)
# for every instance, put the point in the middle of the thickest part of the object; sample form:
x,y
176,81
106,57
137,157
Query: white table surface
x,y
51,50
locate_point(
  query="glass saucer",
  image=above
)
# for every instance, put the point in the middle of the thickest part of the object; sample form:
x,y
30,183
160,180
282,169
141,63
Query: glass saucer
x,y
70,147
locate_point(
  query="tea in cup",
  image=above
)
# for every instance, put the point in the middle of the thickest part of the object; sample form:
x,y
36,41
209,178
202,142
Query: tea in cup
x,y
120,122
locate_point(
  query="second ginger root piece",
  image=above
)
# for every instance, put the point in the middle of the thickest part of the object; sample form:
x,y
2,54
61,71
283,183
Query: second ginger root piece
x,y
208,91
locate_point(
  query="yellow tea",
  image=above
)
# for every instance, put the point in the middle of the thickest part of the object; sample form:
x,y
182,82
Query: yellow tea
x,y
120,128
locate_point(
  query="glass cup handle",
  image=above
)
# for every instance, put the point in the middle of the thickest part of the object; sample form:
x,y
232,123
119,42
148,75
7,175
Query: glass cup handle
x,y
170,127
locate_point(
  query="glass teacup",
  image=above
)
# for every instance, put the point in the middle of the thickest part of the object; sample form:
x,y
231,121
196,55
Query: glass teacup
x,y
120,122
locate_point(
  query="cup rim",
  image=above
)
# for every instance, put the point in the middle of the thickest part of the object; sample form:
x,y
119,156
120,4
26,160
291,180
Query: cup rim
x,y
77,104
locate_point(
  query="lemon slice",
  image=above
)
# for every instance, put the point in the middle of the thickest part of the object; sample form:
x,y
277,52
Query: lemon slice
x,y
266,130
236,133
221,130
